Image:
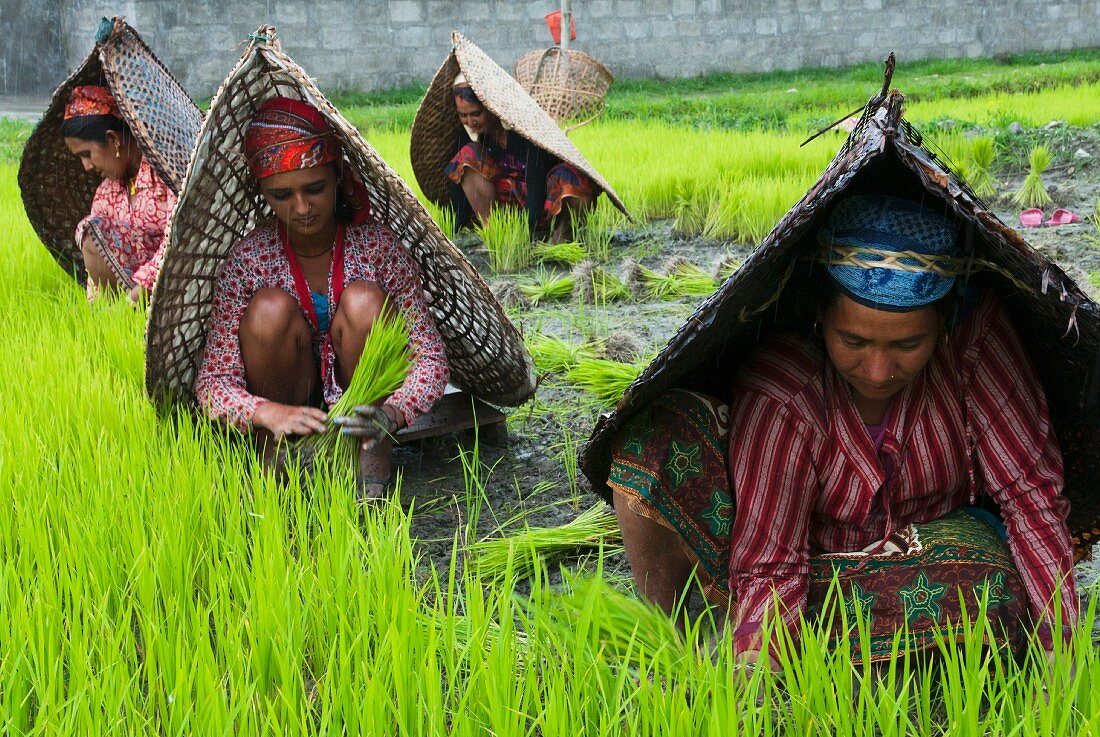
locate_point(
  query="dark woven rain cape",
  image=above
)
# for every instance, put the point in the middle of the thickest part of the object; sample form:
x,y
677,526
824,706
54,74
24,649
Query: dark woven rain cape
x,y
220,202
1059,325
57,192
436,129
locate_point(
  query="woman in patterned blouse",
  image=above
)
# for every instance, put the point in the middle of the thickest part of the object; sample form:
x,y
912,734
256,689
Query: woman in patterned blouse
x,y
297,296
122,239
496,167
903,445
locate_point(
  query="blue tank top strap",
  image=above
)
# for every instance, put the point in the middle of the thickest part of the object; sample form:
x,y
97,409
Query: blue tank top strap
x,y
320,308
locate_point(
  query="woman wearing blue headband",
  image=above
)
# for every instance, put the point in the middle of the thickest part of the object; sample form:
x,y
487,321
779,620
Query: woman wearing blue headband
x,y
903,445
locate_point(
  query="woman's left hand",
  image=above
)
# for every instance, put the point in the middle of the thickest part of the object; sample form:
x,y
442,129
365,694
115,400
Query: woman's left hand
x,y
137,294
371,423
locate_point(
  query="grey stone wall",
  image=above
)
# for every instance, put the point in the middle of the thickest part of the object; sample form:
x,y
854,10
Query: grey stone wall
x,y
379,44
32,58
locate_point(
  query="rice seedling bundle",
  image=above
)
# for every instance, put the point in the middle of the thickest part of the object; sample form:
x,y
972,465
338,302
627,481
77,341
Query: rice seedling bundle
x,y
521,553
681,279
983,150
1033,193
547,286
507,239
552,354
570,253
606,380
592,284
385,362
603,221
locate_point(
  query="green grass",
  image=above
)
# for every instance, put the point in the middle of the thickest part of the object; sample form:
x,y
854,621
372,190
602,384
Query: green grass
x,y
755,101
154,581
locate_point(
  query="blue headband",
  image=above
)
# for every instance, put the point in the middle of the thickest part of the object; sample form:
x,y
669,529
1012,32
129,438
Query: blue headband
x,y
914,245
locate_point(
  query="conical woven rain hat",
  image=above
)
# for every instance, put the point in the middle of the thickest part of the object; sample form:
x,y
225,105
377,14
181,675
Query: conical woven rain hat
x,y
57,192
1059,325
220,203
436,128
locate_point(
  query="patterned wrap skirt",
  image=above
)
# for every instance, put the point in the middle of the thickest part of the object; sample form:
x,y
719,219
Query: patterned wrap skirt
x,y
670,463
122,247
508,177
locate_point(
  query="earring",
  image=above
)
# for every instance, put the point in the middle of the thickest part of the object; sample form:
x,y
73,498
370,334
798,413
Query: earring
x,y
118,151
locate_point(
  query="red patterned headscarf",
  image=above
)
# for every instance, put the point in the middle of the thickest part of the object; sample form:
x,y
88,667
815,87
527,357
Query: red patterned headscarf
x,y
287,135
91,99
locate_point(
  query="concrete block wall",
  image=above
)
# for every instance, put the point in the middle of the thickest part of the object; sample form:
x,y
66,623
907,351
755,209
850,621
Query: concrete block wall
x,y
380,44
32,57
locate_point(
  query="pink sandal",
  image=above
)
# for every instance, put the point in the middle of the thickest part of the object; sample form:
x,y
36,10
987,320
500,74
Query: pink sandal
x,y
1031,218
1062,216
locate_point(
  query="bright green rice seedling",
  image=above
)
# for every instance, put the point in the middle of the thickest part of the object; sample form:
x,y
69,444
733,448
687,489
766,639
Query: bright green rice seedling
x,y
604,220
385,362
950,146
983,151
1033,193
552,354
630,633
681,279
592,284
606,380
520,554
445,218
546,286
570,253
507,239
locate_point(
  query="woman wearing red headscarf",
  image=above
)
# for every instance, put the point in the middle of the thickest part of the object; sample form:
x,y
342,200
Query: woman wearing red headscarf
x,y
122,239
298,295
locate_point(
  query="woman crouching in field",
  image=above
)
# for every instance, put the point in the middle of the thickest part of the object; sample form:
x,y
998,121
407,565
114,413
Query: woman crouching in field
x,y
902,444
122,239
298,295
495,167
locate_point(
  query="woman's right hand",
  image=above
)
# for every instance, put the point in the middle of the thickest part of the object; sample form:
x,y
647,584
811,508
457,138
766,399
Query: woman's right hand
x,y
288,419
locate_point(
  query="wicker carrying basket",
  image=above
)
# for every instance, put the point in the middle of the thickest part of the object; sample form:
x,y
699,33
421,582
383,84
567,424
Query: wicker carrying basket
x,y
1058,323
436,128
220,203
569,85
57,192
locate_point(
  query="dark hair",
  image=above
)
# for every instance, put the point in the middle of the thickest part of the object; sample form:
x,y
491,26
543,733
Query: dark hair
x,y
92,128
466,93
343,208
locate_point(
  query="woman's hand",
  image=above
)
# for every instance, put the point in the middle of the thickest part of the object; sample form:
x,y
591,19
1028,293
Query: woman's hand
x,y
137,294
370,423
287,419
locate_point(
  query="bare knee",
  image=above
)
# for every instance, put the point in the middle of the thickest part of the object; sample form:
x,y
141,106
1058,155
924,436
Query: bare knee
x,y
360,305
480,192
272,316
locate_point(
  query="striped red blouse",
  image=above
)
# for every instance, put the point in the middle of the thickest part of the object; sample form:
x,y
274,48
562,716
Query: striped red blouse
x,y
806,477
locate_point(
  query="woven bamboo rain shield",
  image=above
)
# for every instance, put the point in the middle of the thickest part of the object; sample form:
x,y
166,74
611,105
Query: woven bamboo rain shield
x,y
1059,325
220,203
436,128
57,192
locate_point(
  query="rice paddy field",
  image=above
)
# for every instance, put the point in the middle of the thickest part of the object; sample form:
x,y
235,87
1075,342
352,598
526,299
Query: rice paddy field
x,y
154,580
